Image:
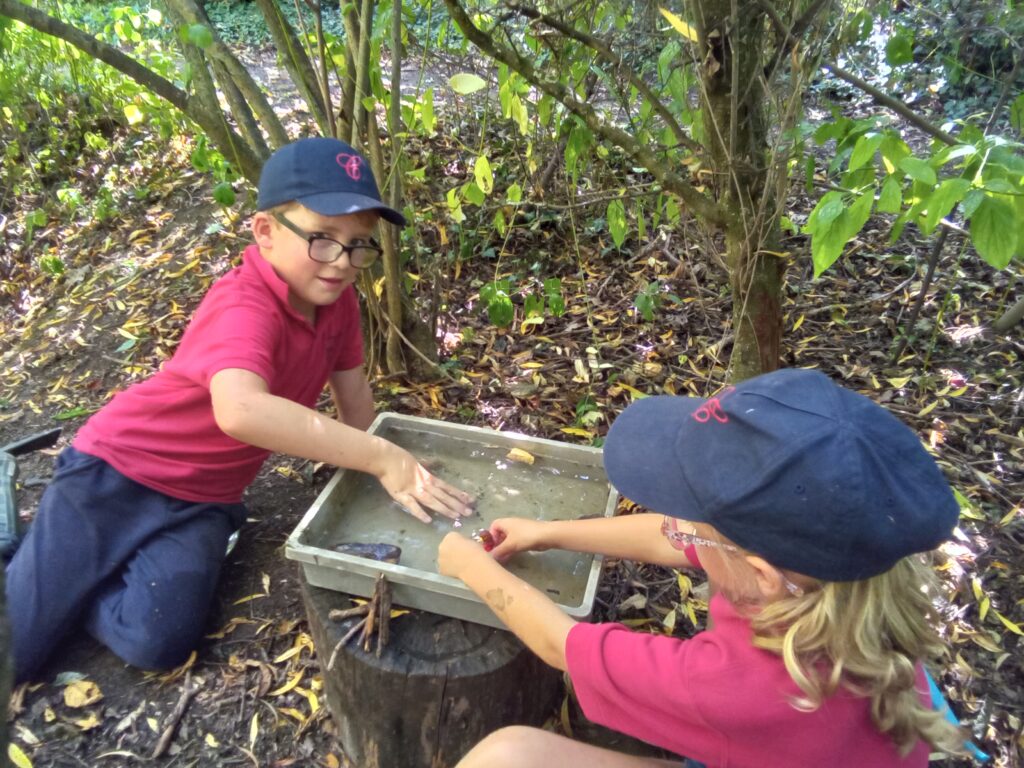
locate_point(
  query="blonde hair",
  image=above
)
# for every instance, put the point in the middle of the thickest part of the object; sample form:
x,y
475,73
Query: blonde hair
x,y
866,636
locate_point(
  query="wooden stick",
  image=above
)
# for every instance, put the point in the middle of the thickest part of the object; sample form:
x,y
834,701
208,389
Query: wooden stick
x,y
187,693
374,613
340,614
341,643
384,615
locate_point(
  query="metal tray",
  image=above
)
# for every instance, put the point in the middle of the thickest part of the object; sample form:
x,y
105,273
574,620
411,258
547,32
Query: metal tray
x,y
564,482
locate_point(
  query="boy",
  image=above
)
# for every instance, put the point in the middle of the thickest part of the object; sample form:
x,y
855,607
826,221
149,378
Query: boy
x,y
131,533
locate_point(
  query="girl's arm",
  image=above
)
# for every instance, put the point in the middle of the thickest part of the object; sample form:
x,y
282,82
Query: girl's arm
x,y
630,537
530,614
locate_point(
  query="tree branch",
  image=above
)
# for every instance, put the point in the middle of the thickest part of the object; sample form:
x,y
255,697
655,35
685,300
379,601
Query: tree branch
x,y
210,120
700,204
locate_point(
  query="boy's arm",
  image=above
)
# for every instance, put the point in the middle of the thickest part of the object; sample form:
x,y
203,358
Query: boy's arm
x,y
631,537
531,615
245,409
353,397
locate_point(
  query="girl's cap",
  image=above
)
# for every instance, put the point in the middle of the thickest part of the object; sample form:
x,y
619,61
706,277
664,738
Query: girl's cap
x,y
325,175
809,475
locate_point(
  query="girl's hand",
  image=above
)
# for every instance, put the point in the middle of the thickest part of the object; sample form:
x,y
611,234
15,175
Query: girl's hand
x,y
517,534
456,554
414,488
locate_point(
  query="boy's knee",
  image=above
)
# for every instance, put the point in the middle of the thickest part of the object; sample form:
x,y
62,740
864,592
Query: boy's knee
x,y
157,653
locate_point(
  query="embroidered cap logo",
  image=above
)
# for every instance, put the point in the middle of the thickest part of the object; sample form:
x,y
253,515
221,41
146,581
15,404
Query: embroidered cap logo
x,y
351,164
712,409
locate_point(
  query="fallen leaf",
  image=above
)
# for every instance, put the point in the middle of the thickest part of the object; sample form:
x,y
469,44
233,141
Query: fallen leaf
x,y
518,454
82,693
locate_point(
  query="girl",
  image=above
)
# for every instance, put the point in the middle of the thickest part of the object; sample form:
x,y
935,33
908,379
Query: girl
x,y
807,505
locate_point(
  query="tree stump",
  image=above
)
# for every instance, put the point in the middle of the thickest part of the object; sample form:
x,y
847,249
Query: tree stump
x,y
439,686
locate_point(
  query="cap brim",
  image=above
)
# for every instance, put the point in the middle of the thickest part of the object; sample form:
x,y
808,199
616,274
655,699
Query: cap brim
x,y
339,204
641,455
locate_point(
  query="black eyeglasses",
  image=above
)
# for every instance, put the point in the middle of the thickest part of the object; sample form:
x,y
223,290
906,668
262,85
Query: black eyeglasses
x,y
327,250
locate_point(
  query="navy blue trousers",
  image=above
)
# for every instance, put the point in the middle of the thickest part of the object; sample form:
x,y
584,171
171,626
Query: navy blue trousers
x,y
136,568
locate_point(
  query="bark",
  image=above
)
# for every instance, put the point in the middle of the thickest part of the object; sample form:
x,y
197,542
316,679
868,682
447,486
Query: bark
x,y
360,116
735,124
295,60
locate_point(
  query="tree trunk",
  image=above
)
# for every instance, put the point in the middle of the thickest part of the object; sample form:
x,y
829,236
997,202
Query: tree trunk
x,y
735,126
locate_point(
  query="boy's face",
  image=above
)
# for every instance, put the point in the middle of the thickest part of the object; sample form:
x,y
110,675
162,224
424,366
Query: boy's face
x,y
311,284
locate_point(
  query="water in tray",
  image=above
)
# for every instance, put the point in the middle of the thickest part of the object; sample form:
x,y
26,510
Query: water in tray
x,y
360,511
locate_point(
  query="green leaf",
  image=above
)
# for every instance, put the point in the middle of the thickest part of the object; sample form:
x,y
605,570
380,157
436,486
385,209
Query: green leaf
x,y
826,247
828,209
891,198
224,194
473,193
941,202
900,48
199,35
499,305
864,150
465,83
893,150
857,216
427,111
483,175
918,170
617,222
971,202
17,756
514,193
994,231
1017,114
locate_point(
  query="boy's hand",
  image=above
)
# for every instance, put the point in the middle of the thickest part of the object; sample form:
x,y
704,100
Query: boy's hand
x,y
517,534
414,488
456,554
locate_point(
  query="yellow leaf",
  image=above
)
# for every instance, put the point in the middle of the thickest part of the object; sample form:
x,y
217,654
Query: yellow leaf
x,y
292,712
266,583
254,730
247,598
685,585
292,682
88,723
332,761
983,608
518,454
899,382
314,702
680,26
211,741
669,622
1008,624
18,758
799,322
928,408
154,726
576,431
531,365
191,265
82,693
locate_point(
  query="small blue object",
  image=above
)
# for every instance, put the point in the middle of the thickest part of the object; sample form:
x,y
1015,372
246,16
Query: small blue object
x,y
941,705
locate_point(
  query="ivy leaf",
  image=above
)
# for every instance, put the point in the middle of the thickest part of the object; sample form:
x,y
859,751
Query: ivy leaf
x,y
465,83
994,231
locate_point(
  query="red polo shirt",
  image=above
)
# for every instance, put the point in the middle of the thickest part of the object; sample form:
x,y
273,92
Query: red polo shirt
x,y
161,431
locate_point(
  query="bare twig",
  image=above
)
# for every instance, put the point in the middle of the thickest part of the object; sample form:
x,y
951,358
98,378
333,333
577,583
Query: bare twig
x,y
345,638
187,694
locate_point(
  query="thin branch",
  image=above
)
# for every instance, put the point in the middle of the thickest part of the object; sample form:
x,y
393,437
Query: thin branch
x,y
700,204
933,260
608,55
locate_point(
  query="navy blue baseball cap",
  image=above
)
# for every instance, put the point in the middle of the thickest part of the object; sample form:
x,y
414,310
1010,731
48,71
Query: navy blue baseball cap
x,y
325,175
811,476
